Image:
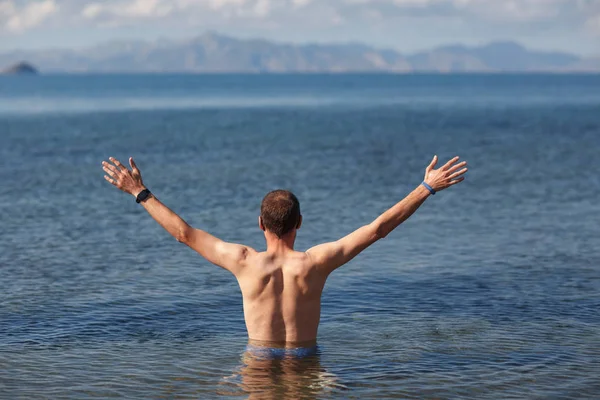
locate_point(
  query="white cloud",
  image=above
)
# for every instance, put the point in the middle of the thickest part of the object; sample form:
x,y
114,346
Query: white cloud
x,y
593,25
419,3
214,4
337,19
16,20
523,10
300,3
144,9
516,10
494,11
422,22
262,8
147,8
131,9
92,11
7,9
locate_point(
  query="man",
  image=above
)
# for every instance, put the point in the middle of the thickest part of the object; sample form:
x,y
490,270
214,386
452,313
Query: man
x,y
281,287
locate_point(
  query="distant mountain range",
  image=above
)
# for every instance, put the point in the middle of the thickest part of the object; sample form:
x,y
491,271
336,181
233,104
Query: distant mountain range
x,y
212,52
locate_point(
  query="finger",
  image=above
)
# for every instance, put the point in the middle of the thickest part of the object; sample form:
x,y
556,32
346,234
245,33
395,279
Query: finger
x,y
132,163
111,167
432,163
459,173
110,173
449,163
457,166
459,180
112,182
118,164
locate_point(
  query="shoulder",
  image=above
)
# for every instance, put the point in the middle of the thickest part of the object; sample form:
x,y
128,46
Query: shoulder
x,y
236,253
305,260
245,253
323,252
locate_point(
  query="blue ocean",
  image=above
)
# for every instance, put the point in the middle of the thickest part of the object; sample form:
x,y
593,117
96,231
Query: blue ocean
x,y
490,291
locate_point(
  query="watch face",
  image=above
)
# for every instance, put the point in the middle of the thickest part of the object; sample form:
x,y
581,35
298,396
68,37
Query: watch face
x,y
143,195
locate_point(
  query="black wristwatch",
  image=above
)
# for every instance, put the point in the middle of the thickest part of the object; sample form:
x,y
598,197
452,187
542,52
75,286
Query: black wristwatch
x,y
143,195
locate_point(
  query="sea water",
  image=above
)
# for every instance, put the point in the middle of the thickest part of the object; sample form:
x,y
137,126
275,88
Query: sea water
x,y
491,290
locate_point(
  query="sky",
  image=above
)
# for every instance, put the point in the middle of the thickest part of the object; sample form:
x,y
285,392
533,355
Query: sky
x,y
404,25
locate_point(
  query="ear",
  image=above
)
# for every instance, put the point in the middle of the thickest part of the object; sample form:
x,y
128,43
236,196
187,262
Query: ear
x,y
299,224
260,224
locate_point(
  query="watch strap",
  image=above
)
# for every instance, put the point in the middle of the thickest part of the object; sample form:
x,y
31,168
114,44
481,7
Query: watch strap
x,y
142,196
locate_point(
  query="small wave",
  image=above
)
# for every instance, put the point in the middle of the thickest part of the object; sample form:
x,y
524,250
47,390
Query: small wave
x,y
83,105
33,105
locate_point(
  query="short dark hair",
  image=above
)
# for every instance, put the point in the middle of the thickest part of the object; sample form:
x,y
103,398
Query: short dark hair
x,y
280,212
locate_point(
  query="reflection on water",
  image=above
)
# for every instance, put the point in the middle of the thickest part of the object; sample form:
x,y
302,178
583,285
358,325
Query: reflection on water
x,y
277,378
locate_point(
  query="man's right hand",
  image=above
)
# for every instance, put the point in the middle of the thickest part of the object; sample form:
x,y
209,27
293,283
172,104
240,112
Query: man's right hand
x,y
449,174
120,176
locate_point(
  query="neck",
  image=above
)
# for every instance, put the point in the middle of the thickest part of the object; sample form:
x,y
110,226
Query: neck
x,y
280,244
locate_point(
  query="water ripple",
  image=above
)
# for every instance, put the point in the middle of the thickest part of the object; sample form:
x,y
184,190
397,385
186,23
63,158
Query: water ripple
x,y
491,291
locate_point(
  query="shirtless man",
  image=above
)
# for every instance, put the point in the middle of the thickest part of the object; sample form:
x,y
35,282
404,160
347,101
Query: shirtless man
x,y
281,287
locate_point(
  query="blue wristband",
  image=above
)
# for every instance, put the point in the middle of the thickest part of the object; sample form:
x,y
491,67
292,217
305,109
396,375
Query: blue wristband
x,y
431,190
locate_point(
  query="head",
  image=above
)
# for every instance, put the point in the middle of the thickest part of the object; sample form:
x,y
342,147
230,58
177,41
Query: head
x,y
280,213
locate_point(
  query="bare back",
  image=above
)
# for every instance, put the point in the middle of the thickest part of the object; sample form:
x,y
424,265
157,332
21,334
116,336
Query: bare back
x,y
282,288
282,297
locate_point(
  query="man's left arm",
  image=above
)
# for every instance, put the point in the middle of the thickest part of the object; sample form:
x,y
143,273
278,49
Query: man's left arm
x,y
229,256
329,256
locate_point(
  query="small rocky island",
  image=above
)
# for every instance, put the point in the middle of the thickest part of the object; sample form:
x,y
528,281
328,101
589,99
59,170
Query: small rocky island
x,y
21,68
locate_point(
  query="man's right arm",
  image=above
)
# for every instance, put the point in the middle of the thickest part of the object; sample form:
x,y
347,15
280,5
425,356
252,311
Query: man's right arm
x,y
230,256
329,256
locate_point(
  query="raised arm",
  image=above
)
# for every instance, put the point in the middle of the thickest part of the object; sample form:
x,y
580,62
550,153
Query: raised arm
x,y
226,255
329,256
